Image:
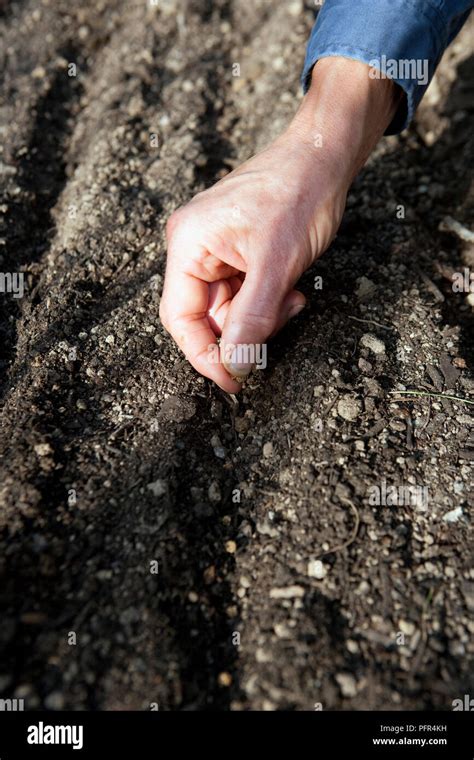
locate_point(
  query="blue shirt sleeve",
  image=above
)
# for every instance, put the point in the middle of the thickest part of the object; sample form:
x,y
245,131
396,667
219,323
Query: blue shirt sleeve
x,y
403,39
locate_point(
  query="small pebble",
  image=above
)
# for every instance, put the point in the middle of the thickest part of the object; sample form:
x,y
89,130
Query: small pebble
x,y
282,631
365,288
38,73
217,446
214,492
347,684
349,408
406,627
268,450
453,516
372,343
44,449
158,488
224,679
316,569
290,592
265,529
295,8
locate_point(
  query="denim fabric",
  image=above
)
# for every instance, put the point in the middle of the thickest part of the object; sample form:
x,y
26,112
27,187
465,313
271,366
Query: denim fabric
x,y
405,39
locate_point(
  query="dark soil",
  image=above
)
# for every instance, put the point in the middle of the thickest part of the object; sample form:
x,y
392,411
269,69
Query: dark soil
x,y
116,455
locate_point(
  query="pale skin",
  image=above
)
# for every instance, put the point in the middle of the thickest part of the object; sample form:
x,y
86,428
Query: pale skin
x,y
237,250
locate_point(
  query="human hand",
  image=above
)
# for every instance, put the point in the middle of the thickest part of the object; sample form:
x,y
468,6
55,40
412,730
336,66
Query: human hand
x,y
236,251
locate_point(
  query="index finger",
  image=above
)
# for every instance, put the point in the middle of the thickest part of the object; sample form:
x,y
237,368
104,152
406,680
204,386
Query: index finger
x,y
183,311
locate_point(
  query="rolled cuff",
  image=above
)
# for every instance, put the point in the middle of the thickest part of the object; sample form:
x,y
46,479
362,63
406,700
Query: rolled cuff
x,y
403,39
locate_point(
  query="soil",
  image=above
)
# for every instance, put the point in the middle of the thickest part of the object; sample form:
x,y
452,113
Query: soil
x,y
164,544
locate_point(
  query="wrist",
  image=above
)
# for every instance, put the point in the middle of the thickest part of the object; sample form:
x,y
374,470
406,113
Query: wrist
x,y
344,113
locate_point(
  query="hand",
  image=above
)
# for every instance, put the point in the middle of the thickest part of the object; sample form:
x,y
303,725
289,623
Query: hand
x,y
236,251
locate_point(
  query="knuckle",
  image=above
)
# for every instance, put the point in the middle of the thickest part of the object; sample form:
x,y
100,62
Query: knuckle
x,y
184,222
264,322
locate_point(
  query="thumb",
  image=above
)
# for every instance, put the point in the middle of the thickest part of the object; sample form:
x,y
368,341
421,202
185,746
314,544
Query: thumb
x,y
256,312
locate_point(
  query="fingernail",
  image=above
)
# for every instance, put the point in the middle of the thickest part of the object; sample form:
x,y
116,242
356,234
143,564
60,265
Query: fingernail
x,y
236,365
295,310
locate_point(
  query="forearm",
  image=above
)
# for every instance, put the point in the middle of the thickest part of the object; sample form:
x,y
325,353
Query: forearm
x,y
403,39
345,113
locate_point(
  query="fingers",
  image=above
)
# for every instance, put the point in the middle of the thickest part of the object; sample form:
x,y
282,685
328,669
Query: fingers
x,y
220,298
183,311
260,308
206,296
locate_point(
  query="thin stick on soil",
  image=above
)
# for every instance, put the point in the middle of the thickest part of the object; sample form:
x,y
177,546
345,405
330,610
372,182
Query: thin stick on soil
x,y
352,537
426,394
371,322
